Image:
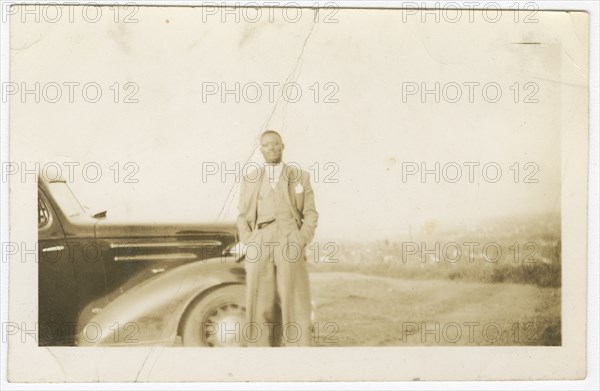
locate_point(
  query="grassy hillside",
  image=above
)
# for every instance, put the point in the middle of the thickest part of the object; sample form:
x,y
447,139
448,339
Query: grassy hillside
x,y
359,310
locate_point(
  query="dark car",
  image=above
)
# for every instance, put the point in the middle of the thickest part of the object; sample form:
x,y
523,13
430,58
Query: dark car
x,y
117,284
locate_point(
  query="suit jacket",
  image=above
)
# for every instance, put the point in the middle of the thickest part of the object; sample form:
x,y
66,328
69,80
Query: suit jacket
x,y
299,197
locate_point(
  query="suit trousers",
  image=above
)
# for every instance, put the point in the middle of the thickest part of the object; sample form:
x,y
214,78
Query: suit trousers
x,y
278,304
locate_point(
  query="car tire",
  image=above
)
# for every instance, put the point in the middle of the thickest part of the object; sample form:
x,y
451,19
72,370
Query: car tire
x,y
211,320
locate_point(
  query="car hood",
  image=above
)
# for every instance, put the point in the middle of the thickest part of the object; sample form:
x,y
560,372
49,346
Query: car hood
x,y
134,252
114,229
159,242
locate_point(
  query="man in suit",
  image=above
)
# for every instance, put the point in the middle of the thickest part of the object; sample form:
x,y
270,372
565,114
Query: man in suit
x,y
277,219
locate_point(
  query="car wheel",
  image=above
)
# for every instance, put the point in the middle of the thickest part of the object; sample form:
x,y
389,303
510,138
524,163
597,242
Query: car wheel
x,y
217,319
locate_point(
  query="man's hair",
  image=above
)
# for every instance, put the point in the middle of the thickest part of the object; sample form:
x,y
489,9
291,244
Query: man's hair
x,y
270,132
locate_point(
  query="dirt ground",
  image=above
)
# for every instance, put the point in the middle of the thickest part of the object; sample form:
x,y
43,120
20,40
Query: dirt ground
x,y
354,309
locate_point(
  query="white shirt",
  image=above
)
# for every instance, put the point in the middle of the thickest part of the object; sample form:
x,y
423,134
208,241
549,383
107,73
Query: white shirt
x,y
274,172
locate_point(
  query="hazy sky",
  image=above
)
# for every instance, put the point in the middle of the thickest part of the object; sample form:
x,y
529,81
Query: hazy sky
x,y
363,141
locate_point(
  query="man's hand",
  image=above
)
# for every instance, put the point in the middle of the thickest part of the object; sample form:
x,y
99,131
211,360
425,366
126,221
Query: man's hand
x,y
239,249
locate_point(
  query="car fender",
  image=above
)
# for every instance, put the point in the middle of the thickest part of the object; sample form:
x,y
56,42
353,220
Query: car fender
x,y
150,313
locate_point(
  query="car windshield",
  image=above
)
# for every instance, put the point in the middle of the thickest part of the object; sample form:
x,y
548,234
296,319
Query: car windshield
x,y
65,199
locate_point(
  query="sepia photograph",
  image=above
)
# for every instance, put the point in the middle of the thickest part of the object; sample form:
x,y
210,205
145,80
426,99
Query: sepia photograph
x,y
321,187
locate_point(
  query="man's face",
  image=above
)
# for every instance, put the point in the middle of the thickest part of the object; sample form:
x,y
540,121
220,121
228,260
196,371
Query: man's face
x,y
271,148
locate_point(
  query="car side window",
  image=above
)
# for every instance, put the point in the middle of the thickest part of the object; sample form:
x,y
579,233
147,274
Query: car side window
x,y
43,213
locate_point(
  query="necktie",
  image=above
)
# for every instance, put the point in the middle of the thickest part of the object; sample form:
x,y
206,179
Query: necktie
x,y
272,179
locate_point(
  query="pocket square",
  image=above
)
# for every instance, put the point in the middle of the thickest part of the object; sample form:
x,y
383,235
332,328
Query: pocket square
x,y
299,188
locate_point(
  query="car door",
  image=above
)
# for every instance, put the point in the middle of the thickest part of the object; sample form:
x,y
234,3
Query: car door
x,y
57,290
